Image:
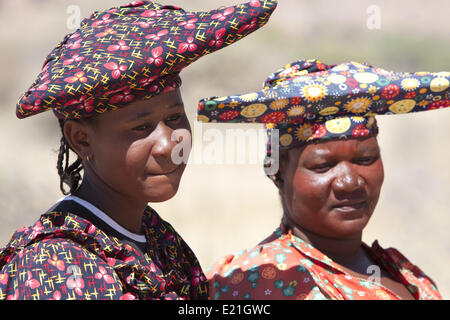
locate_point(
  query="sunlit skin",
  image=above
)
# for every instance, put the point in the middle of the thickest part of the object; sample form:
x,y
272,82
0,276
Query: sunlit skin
x,y
329,192
127,156
332,188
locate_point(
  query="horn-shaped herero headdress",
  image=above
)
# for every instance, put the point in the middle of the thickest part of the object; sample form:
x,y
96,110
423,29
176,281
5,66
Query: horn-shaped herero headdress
x,y
308,100
132,52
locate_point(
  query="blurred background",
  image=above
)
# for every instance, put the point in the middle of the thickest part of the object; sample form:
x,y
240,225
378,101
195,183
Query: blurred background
x,y
222,208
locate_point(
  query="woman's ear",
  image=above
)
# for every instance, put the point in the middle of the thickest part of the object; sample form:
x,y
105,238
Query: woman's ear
x,y
277,178
77,136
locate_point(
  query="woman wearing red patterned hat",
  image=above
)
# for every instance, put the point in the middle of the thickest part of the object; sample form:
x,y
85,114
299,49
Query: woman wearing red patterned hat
x,y
325,161
113,85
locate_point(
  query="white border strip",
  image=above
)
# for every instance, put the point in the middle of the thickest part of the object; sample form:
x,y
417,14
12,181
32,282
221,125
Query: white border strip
x,y
107,219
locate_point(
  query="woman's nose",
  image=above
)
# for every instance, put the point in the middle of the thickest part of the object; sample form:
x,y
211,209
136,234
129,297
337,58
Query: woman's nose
x,y
163,141
348,179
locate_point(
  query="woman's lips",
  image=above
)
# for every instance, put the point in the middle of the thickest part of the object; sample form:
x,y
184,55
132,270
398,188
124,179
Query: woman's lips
x,y
165,173
350,206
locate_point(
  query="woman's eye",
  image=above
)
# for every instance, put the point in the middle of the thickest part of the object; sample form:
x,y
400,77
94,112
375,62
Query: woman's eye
x,y
366,160
174,118
142,127
147,126
321,168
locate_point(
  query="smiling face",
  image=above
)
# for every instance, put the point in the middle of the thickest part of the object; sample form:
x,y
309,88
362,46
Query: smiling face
x,y
130,150
331,188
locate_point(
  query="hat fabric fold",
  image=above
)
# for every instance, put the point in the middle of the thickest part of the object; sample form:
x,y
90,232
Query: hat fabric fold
x,y
132,52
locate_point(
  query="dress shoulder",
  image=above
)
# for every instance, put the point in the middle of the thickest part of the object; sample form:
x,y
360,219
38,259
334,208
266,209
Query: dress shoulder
x,y
57,268
412,273
270,270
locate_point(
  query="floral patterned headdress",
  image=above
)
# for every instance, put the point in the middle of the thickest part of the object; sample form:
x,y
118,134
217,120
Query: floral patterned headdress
x,y
308,100
131,52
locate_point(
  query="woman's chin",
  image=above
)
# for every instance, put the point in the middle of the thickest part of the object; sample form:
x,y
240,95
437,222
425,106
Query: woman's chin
x,y
348,228
160,188
161,193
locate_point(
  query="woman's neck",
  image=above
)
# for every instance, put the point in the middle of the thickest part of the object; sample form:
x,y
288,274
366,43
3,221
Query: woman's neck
x,y
125,211
345,251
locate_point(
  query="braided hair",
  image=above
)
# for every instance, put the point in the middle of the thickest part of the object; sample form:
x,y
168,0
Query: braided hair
x,y
68,174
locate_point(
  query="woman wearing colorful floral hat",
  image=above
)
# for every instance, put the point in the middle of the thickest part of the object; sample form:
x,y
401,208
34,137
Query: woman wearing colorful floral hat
x,y
324,158
114,85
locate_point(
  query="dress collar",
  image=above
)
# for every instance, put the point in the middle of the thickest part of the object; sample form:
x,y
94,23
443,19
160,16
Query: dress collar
x,y
376,253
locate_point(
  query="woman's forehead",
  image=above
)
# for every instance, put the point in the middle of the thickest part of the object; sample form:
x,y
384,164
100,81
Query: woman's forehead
x,y
145,108
335,147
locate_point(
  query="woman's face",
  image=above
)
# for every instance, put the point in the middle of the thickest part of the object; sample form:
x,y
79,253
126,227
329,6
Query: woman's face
x,y
332,188
132,147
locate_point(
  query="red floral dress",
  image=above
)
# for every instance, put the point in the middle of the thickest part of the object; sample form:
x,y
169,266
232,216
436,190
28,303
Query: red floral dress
x,y
64,256
285,267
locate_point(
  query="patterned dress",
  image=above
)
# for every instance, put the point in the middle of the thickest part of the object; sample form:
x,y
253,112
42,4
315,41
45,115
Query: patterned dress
x,y
64,256
285,267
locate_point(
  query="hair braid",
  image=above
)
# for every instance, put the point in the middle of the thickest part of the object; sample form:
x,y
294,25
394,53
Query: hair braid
x,y
68,174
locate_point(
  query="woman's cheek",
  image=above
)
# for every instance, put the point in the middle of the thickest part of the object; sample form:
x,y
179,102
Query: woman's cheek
x,y
315,189
308,195
136,154
376,181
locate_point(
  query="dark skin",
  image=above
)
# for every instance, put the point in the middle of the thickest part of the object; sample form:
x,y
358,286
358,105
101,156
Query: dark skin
x,y
127,156
329,191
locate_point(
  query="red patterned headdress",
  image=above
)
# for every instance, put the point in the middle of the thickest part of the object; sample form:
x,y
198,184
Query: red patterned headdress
x,y
132,52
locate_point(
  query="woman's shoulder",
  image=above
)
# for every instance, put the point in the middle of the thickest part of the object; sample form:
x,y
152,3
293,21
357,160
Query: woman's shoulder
x,y
397,258
52,236
55,233
161,231
411,272
43,262
273,269
57,253
244,259
264,251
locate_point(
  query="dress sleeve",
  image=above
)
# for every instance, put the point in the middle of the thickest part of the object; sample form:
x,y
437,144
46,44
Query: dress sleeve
x,y
55,269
